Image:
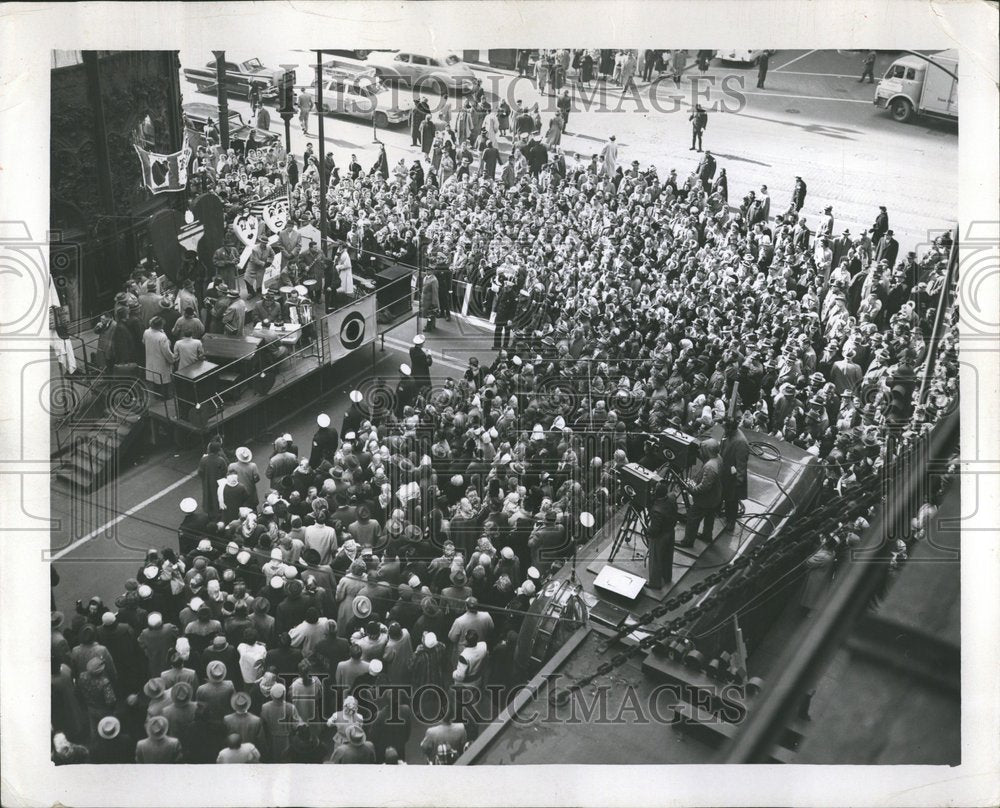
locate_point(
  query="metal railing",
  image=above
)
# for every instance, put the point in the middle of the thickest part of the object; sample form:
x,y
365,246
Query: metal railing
x,y
808,653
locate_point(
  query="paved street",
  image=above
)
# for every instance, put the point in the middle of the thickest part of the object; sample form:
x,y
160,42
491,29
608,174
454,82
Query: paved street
x,y
812,119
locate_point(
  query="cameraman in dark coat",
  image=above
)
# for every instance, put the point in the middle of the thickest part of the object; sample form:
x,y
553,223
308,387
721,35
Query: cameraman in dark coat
x,y
735,452
660,535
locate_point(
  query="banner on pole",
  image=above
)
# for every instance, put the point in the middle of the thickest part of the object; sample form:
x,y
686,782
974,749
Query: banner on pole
x,y
164,172
351,327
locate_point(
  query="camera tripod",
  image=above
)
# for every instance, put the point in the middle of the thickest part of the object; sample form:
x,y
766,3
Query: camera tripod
x,y
636,518
633,524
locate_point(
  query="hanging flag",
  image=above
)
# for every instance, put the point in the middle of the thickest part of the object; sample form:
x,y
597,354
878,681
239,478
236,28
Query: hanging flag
x,y
164,172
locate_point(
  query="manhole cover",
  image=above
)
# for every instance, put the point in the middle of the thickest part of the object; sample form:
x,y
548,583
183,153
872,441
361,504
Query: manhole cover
x,y
793,111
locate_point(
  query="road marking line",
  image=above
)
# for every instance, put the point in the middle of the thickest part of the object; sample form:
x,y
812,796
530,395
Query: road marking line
x,y
803,56
121,517
828,75
443,359
812,98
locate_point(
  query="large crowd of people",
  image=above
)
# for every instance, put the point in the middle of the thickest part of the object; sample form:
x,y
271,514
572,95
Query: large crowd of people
x,y
401,552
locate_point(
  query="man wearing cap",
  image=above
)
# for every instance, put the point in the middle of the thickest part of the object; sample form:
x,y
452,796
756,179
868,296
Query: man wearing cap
x,y
735,452
706,495
218,691
358,749
194,526
149,303
160,358
407,390
234,315
324,443
281,464
119,639
881,225
261,257
157,746
660,535
429,299
699,121
278,716
887,248
212,468
470,665
156,640
846,374
181,710
706,170
247,473
189,350
322,538
548,540
113,744
350,669
267,309
472,619
431,666
420,362
96,692
177,672
242,722
220,650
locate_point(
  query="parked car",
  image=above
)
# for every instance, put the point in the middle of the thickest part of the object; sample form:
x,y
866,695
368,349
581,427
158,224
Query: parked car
x,y
362,94
197,115
239,77
742,57
424,71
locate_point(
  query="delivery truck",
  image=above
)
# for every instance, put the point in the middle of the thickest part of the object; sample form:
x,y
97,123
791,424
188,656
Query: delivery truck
x,y
913,86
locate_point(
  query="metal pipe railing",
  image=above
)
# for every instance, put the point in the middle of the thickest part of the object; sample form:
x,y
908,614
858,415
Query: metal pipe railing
x,y
944,303
808,653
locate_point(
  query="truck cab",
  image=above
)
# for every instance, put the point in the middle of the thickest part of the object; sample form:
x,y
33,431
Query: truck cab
x,y
912,86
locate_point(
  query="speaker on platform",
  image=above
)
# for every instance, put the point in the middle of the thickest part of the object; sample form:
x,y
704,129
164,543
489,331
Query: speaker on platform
x,y
639,482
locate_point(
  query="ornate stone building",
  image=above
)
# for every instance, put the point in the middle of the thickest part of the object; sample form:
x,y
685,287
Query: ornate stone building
x,y
103,102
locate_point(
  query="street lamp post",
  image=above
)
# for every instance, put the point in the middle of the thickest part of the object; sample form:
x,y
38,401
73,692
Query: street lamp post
x,y
322,153
223,97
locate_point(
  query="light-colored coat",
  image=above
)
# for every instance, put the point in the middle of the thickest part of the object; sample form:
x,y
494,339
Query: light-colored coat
x,y
159,358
